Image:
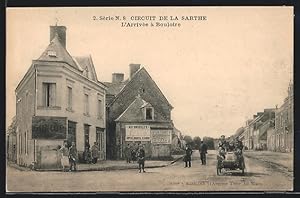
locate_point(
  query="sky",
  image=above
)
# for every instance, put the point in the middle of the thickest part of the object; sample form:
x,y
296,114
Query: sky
x,y
216,73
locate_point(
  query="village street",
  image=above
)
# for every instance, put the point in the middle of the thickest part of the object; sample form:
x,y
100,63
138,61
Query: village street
x,y
259,176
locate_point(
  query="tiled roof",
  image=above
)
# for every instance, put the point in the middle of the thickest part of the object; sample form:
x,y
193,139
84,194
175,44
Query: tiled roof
x,y
85,64
115,88
57,53
264,127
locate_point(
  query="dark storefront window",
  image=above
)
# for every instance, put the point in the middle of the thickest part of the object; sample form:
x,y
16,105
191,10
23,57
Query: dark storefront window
x,y
86,135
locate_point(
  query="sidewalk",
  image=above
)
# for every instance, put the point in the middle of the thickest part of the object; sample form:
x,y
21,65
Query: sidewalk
x,y
284,160
109,165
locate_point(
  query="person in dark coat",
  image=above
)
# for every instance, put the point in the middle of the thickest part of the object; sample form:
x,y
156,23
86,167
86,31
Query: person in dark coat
x,y
188,156
127,153
133,154
73,157
141,159
231,147
203,152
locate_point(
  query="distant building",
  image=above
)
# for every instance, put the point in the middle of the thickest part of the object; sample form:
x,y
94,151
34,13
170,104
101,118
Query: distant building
x,y
59,99
137,113
283,135
260,128
248,140
255,131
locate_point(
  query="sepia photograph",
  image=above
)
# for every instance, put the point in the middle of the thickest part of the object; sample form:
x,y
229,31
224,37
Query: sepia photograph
x,y
149,99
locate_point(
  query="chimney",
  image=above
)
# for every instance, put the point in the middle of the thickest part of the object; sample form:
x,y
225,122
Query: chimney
x,y
134,68
61,32
117,77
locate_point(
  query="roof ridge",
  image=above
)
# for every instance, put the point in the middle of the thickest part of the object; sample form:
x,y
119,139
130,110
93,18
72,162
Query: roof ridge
x,y
130,80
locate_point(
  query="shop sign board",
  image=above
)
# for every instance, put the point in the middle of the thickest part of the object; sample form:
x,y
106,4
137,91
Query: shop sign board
x,y
137,133
49,127
161,136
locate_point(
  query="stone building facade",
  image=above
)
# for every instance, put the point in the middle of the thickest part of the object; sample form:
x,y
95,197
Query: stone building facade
x,y
137,113
282,138
59,99
255,131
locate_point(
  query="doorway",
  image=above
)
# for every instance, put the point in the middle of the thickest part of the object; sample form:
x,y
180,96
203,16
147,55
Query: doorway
x,y
86,136
100,139
71,133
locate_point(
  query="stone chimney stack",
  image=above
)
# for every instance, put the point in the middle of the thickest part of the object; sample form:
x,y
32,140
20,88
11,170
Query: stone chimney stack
x,y
117,77
134,68
61,32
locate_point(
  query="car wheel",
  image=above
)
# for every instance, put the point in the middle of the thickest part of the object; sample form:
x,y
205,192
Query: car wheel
x,y
243,171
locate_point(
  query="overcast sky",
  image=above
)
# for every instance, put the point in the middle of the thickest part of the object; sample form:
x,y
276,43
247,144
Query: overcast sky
x,y
215,73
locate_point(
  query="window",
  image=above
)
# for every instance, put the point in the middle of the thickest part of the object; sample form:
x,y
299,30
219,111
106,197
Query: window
x,y
25,142
86,135
49,92
149,114
70,98
20,144
52,53
99,113
86,104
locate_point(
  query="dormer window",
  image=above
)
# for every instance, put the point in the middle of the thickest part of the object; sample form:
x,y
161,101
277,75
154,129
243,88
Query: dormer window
x,y
52,53
149,113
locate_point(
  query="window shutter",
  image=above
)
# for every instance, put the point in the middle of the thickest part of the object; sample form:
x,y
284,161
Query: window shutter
x,y
44,93
52,94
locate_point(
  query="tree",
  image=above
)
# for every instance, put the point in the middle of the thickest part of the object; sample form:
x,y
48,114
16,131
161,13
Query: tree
x,y
197,142
188,139
13,126
209,141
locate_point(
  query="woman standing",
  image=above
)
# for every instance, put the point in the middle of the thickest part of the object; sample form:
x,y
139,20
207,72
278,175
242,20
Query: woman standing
x,y
64,156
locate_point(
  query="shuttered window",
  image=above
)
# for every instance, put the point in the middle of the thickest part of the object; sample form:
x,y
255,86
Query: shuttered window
x,y
70,98
49,94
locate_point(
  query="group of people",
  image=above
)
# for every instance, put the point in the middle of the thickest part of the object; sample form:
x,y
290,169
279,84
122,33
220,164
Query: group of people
x,y
69,156
135,154
235,146
91,156
188,154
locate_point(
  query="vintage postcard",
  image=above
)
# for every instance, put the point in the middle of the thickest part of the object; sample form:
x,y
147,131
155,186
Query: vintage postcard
x,y
115,99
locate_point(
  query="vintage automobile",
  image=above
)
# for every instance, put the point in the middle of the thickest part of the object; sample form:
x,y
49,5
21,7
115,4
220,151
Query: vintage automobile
x,y
230,161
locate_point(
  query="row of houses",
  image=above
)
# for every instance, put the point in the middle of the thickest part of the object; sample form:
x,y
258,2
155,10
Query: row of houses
x,y
61,99
272,129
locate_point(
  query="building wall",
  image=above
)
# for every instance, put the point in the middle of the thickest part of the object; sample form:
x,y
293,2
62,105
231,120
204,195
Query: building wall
x,y
63,76
25,106
152,151
284,128
271,139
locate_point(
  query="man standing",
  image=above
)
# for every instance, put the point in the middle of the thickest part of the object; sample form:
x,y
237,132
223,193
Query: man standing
x,y
73,157
95,153
188,156
141,158
203,152
239,150
223,143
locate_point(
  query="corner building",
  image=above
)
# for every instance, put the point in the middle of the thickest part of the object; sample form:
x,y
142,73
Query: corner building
x,y
58,99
